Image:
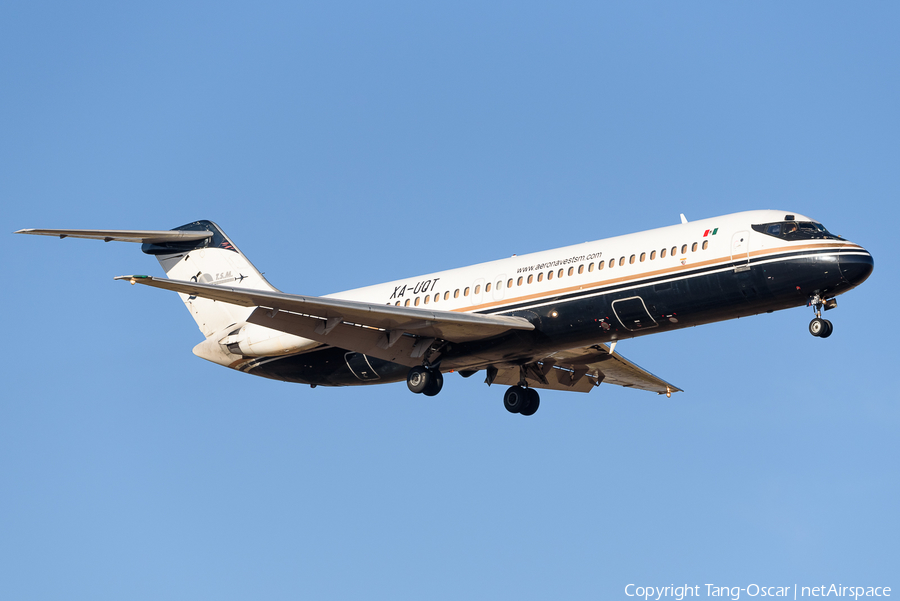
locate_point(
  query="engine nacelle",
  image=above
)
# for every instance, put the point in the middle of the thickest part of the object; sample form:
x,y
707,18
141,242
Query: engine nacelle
x,y
250,340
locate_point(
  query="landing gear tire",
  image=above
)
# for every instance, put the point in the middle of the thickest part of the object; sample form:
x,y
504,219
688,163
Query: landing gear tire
x,y
515,399
821,328
534,401
518,399
418,379
422,380
437,382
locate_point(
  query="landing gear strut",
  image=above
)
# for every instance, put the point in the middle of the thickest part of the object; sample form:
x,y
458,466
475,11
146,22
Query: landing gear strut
x,y
821,328
519,399
422,380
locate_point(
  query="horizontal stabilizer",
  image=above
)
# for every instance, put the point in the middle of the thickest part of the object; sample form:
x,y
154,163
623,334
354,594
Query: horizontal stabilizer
x,y
140,236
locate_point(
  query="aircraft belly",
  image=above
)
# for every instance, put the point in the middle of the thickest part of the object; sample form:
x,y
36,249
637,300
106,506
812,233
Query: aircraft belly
x,y
331,367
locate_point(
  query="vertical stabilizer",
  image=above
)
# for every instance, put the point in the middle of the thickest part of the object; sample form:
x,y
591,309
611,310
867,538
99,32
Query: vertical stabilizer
x,y
215,261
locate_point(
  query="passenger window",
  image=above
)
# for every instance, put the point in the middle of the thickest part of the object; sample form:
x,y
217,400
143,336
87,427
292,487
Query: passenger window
x,y
427,298
674,251
631,260
549,275
560,274
652,255
601,264
406,304
541,276
397,303
466,291
571,271
612,263
662,254
478,288
509,282
621,261
705,244
437,296
417,301
694,247
456,293
591,267
530,278
643,256
519,281
487,288
684,249
447,295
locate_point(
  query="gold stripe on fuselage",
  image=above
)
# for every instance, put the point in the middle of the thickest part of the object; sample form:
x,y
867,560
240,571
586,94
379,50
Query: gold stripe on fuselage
x,y
650,274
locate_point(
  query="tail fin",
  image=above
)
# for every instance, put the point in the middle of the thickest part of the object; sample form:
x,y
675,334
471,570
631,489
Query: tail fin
x,y
211,260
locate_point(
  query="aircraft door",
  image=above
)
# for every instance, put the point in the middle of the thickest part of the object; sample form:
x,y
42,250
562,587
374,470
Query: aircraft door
x,y
360,367
632,314
740,250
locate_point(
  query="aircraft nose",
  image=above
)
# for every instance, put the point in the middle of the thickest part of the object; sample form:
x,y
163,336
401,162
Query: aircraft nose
x,y
856,267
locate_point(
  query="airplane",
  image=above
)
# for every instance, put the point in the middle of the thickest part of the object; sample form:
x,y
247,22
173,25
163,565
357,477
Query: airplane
x,y
546,320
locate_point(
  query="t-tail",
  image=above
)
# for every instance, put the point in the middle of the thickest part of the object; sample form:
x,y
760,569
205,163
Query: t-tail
x,y
201,252
215,260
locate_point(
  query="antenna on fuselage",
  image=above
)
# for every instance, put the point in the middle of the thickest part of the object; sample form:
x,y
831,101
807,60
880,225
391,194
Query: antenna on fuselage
x,y
683,218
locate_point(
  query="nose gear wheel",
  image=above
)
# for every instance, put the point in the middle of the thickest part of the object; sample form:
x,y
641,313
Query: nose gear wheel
x,y
818,327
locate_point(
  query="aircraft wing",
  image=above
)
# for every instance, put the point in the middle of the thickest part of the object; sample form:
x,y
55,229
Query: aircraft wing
x,y
404,334
580,369
142,236
336,321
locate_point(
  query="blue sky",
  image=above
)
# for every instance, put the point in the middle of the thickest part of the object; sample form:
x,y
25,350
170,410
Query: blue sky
x,y
345,144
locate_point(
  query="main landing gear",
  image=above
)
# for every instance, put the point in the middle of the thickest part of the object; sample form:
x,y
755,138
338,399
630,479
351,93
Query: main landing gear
x,y
818,327
519,399
422,380
429,381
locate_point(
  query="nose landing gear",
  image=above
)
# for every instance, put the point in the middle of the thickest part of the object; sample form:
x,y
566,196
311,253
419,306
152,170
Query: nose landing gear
x,y
821,328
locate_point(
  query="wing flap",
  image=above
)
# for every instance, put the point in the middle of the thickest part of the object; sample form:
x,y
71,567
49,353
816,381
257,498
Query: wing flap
x,y
556,379
581,369
612,368
405,350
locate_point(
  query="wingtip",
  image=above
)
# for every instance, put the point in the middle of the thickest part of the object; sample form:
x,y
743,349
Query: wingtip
x,y
133,278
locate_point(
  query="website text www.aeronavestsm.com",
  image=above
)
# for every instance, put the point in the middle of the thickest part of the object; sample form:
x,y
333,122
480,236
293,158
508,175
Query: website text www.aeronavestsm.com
x,y
792,591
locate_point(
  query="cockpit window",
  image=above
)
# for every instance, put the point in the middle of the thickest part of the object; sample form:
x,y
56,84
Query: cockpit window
x,y
796,230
